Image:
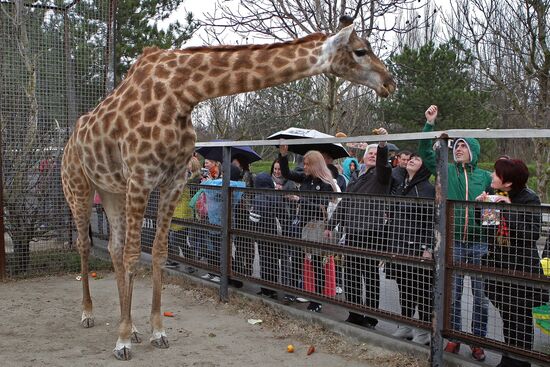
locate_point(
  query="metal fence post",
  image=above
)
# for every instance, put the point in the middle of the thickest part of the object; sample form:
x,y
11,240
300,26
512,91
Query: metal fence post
x,y
110,60
226,216
440,235
2,228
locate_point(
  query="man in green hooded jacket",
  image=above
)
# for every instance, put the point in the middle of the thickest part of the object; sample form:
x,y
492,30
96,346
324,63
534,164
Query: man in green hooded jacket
x,y
465,182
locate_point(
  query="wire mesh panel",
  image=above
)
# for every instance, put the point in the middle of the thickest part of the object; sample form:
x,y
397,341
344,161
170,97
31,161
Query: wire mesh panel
x,y
322,247
53,70
195,231
499,292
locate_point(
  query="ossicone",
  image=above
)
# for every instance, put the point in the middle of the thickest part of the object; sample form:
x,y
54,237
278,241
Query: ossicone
x,y
345,20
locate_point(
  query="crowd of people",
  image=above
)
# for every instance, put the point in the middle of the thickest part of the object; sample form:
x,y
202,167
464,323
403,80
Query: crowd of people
x,y
374,224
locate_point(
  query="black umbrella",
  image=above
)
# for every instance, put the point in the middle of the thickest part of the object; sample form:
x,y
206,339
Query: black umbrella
x,y
244,153
334,150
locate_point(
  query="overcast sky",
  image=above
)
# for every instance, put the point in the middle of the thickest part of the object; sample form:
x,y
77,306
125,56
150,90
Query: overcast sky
x,y
200,7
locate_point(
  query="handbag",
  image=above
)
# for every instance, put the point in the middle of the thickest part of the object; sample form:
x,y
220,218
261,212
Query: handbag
x,y
295,225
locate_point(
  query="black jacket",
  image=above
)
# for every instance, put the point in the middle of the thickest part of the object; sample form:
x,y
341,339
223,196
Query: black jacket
x,y
312,207
524,226
411,222
363,217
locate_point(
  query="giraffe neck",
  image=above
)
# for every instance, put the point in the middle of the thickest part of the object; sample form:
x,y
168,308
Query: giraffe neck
x,y
220,71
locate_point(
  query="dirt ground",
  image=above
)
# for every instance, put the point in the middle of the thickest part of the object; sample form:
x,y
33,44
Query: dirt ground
x,y
39,326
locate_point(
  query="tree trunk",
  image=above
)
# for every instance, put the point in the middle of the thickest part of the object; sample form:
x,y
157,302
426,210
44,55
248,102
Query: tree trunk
x,y
542,155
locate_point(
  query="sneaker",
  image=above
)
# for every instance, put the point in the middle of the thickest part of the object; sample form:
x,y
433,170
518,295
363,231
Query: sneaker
x,y
422,337
339,290
207,276
290,298
301,300
236,283
315,307
361,320
190,269
215,279
478,354
171,264
452,347
403,332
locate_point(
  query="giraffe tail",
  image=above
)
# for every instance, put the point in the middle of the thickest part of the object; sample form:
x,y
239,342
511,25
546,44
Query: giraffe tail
x,y
91,235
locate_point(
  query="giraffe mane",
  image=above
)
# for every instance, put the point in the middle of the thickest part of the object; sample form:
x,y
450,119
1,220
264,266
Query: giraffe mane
x,y
224,48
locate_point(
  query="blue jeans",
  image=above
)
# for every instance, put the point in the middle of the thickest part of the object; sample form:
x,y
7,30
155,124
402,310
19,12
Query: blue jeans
x,y
470,253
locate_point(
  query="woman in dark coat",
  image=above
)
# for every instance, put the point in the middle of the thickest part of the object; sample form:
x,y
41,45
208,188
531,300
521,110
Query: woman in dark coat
x,y
512,248
411,224
312,214
266,209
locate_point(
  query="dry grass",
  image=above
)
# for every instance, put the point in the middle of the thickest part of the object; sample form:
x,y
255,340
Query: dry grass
x,y
285,327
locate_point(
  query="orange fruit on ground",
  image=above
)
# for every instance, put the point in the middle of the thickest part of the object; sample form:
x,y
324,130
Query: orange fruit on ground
x,y
94,274
290,348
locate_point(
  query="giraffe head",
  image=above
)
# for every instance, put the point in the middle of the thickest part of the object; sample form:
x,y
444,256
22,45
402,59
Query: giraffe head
x,y
351,57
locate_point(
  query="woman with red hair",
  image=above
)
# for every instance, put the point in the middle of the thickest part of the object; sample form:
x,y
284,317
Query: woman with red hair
x,y
512,240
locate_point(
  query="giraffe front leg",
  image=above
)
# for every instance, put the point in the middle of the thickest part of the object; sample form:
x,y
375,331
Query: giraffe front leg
x,y
168,200
135,208
158,338
115,208
123,345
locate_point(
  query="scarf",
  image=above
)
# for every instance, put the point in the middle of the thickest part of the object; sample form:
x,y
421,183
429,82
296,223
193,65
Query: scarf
x,y
278,180
503,233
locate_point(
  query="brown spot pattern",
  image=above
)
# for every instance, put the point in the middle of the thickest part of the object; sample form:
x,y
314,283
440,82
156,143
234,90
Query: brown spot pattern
x,y
195,61
162,72
144,131
279,62
151,113
159,90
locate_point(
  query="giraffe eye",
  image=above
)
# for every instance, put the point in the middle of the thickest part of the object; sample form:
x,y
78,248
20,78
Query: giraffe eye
x,y
360,53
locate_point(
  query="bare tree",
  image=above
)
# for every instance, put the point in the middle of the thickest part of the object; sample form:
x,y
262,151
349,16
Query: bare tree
x,y
278,20
511,46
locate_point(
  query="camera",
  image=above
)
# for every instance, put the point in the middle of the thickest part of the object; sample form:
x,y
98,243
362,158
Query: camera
x,y
204,172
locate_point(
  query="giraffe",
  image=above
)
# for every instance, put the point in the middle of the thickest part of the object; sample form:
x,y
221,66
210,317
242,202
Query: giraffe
x,y
141,137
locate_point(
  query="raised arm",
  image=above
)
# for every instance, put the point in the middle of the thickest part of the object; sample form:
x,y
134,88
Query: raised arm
x,y
383,167
425,147
285,170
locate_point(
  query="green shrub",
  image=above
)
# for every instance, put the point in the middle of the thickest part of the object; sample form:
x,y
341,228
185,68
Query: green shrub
x,y
264,166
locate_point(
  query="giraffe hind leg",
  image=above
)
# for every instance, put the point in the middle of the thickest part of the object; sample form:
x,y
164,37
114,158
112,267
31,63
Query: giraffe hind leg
x,y
114,205
79,193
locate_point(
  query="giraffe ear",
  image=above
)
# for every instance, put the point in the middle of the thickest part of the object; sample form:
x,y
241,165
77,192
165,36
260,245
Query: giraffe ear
x,y
342,37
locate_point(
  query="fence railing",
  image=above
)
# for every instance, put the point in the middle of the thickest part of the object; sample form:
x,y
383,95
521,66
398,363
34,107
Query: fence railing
x,y
282,244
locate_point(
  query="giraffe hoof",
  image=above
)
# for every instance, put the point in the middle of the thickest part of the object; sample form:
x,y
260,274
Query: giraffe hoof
x,y
123,354
135,338
87,322
161,342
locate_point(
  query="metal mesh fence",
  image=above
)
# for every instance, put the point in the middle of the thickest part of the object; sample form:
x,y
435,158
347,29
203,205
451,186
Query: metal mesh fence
x,y
373,255
336,247
499,293
52,70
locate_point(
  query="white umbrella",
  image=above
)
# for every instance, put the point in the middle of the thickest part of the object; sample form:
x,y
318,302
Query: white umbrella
x,y
334,150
